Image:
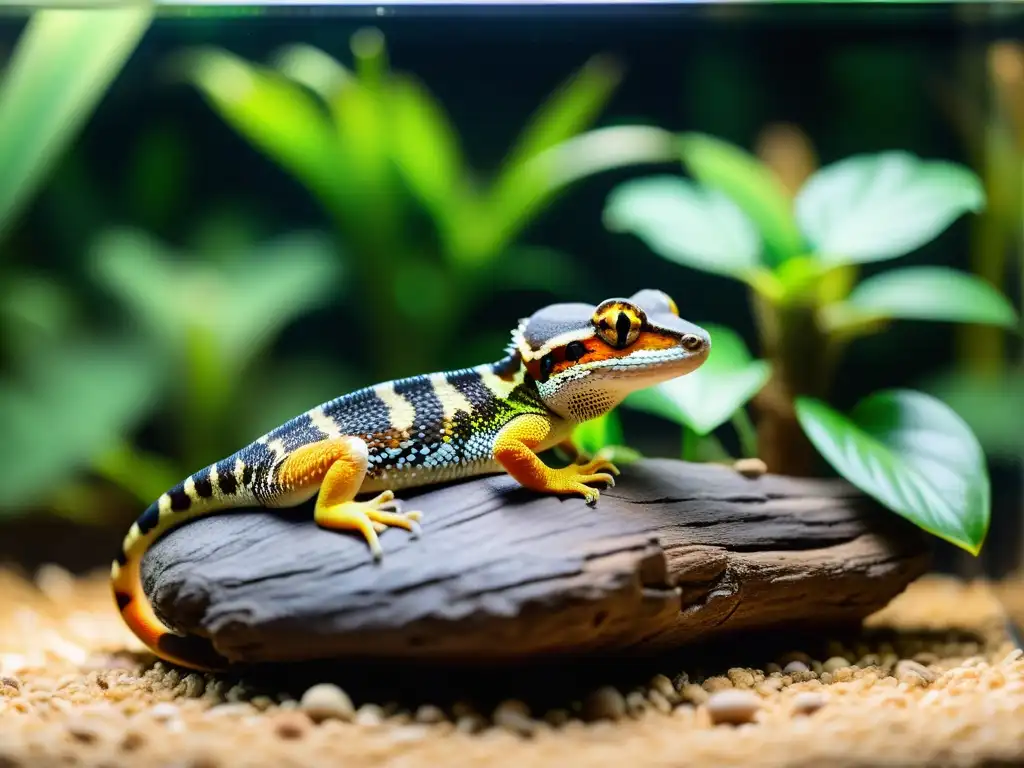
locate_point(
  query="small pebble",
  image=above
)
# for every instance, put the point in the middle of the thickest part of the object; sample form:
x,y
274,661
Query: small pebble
x,y
164,711
429,714
514,716
557,717
913,673
834,663
605,703
369,715
733,707
132,740
795,656
694,694
750,467
808,702
471,723
717,683
10,682
291,725
83,730
663,685
659,702
636,703
327,701
741,678
794,667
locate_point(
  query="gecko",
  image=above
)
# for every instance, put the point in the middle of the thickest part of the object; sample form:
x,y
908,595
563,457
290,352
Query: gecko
x,y
566,364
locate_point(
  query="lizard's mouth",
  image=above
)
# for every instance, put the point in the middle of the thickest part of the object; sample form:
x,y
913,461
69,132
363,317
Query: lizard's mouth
x,y
658,364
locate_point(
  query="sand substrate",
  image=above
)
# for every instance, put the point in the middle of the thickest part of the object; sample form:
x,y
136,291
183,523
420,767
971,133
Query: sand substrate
x,y
933,680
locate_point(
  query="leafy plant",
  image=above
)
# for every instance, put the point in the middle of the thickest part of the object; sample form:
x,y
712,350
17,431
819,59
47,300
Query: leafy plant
x,y
210,317
62,65
427,236
800,258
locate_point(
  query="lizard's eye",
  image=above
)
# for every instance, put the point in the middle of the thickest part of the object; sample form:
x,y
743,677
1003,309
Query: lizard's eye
x,y
618,322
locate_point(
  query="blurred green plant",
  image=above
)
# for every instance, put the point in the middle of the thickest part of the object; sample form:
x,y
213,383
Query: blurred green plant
x,y
426,236
800,259
62,65
210,318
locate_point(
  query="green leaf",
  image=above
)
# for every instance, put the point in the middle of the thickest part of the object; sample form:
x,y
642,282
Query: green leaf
x,y
751,185
425,148
911,453
570,109
687,224
277,115
63,64
533,184
237,307
591,436
929,293
881,206
73,403
708,397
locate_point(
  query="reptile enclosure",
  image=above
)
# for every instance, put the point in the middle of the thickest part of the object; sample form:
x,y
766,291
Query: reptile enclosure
x,y
674,553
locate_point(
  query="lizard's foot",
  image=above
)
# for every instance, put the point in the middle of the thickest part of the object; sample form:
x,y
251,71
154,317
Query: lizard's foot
x,y
574,479
369,518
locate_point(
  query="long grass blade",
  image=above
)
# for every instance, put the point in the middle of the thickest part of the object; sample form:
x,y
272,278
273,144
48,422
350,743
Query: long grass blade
x,y
61,68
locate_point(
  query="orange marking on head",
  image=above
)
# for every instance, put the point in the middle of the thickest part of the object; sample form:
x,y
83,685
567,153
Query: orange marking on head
x,y
598,350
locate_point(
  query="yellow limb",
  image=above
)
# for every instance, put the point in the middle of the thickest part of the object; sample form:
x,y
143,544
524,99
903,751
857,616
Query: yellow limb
x,y
515,449
340,468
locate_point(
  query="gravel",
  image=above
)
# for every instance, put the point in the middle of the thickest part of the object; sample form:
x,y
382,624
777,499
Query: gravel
x,y
933,677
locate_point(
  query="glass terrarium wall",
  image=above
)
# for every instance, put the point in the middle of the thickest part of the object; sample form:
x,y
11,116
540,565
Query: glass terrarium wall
x,y
207,229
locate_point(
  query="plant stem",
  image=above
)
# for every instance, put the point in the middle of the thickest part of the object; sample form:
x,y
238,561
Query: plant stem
x,y
802,361
746,432
690,438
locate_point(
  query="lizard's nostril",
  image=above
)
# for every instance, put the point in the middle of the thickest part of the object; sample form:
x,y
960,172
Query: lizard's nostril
x,y
692,343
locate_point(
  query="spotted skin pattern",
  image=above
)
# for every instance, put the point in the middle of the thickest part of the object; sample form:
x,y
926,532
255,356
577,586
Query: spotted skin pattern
x,y
424,430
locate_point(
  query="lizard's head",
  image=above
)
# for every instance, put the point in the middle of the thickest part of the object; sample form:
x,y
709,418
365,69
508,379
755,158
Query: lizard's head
x,y
586,359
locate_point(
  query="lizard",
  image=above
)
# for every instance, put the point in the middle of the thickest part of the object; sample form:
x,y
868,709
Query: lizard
x,y
567,363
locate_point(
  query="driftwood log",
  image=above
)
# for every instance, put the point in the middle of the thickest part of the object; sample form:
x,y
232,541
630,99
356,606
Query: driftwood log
x,y
674,553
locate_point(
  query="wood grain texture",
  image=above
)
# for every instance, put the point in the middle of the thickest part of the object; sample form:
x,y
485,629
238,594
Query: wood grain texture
x,y
673,554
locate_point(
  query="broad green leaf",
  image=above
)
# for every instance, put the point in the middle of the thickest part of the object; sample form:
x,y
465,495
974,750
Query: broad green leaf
x,y
687,224
911,453
73,402
591,436
708,397
750,184
63,64
930,293
881,206
277,115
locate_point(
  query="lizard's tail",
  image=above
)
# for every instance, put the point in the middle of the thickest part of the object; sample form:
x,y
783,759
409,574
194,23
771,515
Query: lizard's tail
x,y
184,502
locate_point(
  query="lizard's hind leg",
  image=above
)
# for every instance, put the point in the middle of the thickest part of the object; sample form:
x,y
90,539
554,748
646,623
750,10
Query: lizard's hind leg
x,y
339,466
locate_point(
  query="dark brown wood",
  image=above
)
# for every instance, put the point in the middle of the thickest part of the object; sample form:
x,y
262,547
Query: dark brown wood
x,y
673,554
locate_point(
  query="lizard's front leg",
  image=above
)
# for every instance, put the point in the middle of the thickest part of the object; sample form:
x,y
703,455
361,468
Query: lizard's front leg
x,y
514,449
339,466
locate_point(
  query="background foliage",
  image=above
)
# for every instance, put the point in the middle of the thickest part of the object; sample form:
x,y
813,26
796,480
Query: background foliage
x,y
391,204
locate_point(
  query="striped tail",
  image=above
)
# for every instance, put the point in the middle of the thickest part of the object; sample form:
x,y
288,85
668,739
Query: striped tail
x,y
211,490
